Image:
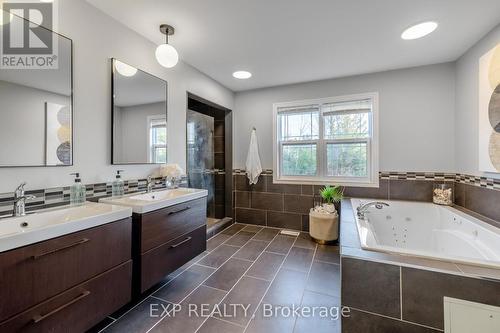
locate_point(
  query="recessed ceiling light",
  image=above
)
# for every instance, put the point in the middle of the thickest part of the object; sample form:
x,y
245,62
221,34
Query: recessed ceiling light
x,y
242,75
419,30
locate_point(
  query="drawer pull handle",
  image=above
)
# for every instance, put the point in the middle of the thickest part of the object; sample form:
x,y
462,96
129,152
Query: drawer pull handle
x,y
179,211
39,318
180,243
80,242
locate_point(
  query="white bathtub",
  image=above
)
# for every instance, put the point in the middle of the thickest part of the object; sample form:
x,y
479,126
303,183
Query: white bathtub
x,y
430,231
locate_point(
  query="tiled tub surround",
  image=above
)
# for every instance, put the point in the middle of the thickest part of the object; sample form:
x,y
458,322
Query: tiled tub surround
x,y
59,196
287,206
394,293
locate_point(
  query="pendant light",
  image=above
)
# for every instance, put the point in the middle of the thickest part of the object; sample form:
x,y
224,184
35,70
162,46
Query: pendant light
x,y
166,54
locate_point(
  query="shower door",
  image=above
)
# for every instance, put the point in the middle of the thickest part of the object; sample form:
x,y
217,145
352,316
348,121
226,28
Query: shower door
x,y
200,155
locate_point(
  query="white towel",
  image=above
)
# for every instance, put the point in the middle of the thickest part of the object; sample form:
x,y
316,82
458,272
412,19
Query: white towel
x,y
253,167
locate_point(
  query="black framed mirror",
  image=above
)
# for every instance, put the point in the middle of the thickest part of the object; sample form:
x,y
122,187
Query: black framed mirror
x,y
36,102
139,116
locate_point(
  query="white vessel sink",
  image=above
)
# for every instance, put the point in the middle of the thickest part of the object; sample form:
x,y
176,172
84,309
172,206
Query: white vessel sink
x,y
46,224
147,202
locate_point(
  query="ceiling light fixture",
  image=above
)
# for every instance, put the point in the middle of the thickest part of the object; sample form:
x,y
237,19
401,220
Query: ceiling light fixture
x,y
124,69
166,54
419,30
242,75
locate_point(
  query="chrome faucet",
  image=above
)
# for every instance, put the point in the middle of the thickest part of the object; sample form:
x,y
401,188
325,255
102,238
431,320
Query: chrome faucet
x,y
149,184
363,208
20,200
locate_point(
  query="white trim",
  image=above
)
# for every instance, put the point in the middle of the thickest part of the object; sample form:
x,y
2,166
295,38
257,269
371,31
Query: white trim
x,y
373,145
149,120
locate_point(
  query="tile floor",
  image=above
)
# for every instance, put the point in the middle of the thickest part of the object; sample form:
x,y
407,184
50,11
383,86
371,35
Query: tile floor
x,y
249,265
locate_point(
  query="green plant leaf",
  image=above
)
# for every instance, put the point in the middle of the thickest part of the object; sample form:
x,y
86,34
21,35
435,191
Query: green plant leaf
x,y
331,194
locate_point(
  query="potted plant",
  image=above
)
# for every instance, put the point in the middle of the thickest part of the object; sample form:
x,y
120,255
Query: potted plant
x,y
324,219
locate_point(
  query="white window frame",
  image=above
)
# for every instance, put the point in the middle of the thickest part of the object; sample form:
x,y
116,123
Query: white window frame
x,y
151,147
372,179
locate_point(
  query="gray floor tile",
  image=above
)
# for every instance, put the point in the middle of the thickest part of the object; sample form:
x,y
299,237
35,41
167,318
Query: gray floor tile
x,y
262,324
218,256
328,253
182,285
287,288
139,319
316,323
213,325
252,228
228,274
266,234
299,259
217,240
266,266
247,292
232,230
281,244
305,241
191,317
251,250
240,238
324,278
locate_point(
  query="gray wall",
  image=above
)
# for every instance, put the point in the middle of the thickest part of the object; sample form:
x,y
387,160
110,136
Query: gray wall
x,y
94,43
416,115
467,105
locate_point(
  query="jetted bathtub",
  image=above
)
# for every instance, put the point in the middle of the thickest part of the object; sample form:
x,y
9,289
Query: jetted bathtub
x,y
430,231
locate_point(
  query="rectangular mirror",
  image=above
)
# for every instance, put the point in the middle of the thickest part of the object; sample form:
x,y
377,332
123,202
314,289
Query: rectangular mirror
x,y
139,109
36,105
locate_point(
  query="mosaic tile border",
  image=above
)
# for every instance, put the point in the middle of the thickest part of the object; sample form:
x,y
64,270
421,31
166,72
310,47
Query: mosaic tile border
x,y
491,183
59,196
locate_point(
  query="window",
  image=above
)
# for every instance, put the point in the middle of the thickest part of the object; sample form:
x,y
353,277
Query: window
x,y
157,152
329,140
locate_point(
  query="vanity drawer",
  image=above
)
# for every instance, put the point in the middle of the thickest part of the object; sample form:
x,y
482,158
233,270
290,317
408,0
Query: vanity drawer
x,y
34,273
166,224
161,261
79,308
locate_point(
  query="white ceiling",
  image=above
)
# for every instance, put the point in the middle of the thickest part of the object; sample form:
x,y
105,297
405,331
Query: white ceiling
x,y
289,41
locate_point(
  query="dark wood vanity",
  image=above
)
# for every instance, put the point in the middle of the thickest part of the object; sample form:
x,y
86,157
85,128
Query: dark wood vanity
x,y
166,239
68,283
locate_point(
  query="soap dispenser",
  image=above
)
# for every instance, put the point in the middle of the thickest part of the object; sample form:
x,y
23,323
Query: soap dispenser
x,y
77,191
118,188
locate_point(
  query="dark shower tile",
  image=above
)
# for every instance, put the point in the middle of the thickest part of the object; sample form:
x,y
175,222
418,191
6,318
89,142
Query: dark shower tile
x,y
268,201
381,192
282,188
324,279
251,250
298,203
414,190
483,201
284,220
437,285
242,199
218,144
217,257
460,194
250,216
371,286
281,244
232,230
